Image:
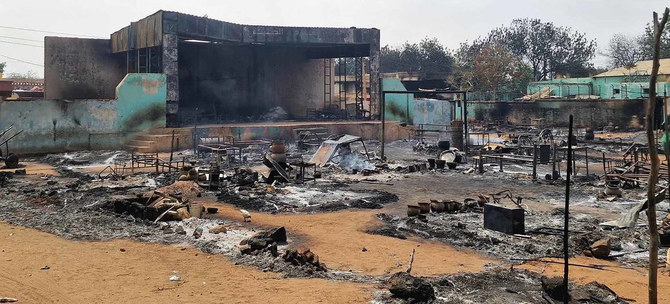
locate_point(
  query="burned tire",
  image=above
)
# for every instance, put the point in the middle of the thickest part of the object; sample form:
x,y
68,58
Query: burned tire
x,y
12,161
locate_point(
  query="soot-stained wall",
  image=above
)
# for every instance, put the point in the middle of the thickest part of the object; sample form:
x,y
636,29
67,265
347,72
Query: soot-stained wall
x,y
242,82
72,125
586,113
78,68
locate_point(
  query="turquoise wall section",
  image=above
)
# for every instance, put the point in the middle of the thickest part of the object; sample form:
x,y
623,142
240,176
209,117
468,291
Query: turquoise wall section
x,y
65,125
399,107
613,87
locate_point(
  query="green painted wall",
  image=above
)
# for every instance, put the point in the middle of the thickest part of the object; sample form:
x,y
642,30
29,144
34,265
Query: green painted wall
x,y
399,107
614,87
62,125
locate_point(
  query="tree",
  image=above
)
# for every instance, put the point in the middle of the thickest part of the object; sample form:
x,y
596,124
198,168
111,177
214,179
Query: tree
x,y
492,68
487,65
2,67
646,42
389,59
550,50
653,157
435,61
429,58
624,51
26,75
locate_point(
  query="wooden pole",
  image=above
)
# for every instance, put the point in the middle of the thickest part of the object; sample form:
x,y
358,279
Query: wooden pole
x,y
411,261
534,162
653,154
171,150
566,215
586,155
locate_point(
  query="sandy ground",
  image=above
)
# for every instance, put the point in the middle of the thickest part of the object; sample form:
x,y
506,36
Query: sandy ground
x,y
339,238
35,168
626,282
99,272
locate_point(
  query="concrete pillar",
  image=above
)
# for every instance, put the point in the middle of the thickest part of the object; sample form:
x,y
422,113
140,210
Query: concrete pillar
x,y
171,71
375,50
171,67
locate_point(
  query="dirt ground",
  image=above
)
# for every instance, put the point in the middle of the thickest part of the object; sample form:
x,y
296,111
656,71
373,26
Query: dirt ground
x,y
627,282
100,272
33,167
133,271
339,238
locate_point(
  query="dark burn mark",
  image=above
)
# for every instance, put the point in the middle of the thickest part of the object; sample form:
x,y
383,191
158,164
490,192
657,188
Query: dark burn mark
x,y
153,113
396,110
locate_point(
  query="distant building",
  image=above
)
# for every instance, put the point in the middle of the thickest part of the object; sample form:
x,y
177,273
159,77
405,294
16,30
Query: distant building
x,y
31,85
619,83
21,89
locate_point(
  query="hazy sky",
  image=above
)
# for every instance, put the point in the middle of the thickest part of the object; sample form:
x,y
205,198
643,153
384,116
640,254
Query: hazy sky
x,y
451,21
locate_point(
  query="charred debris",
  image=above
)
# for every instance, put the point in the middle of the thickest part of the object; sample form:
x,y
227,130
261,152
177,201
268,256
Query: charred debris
x,y
491,208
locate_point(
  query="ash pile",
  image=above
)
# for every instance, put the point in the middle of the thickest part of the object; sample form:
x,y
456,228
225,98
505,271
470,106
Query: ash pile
x,y
500,226
289,183
498,285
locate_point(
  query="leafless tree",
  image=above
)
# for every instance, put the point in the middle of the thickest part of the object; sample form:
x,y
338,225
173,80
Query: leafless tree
x,y
624,51
653,154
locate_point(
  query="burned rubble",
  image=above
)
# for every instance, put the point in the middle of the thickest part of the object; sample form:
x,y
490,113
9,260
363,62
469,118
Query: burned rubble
x,y
164,207
497,285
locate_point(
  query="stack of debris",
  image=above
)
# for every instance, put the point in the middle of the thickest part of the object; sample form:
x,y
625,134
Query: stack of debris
x,y
268,241
304,257
449,206
164,204
413,289
264,241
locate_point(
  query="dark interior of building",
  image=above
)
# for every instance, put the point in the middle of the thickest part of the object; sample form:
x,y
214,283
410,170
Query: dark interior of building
x,y
221,72
224,82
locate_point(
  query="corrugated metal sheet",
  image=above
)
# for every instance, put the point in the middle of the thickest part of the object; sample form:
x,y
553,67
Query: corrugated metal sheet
x,y
149,31
120,40
141,34
329,147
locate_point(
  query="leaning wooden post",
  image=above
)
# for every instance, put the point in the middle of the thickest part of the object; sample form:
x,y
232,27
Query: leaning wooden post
x,y
653,155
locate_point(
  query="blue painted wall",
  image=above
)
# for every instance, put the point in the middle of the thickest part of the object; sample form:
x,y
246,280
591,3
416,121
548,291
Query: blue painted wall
x,y
60,125
432,111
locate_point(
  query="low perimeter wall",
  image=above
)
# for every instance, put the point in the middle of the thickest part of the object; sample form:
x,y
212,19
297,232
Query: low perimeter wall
x,y
586,113
161,142
70,125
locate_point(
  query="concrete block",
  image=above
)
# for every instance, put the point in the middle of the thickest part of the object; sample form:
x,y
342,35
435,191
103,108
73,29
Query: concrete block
x,y
504,219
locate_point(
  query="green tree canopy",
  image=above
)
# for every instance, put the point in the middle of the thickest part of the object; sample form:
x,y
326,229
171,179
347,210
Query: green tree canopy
x,y
429,58
548,49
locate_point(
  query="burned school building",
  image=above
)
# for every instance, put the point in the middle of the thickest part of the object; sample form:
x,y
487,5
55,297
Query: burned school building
x,y
177,70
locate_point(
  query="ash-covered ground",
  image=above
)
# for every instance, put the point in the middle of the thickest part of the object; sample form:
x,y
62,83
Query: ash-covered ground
x,y
79,206
503,285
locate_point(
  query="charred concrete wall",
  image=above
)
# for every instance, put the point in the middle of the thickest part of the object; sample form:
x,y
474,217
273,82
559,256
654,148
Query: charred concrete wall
x,y
226,83
586,113
432,111
78,68
60,125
